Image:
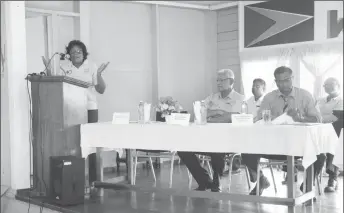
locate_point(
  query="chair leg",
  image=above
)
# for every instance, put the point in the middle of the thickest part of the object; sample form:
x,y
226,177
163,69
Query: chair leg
x,y
304,180
230,172
258,178
135,168
323,171
248,179
203,160
319,184
190,178
117,162
171,171
151,165
210,169
273,177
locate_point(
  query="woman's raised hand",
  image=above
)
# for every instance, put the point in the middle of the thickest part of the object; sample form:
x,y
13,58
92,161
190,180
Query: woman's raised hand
x,y
102,68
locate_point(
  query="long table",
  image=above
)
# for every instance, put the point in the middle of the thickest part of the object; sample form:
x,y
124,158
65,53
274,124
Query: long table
x,y
306,140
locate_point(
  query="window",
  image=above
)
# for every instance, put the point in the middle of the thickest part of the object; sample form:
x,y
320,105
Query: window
x,y
264,69
328,65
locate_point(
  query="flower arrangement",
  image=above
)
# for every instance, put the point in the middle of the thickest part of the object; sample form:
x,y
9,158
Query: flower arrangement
x,y
167,105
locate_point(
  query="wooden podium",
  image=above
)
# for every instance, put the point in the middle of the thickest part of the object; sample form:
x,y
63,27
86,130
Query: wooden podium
x,y
59,106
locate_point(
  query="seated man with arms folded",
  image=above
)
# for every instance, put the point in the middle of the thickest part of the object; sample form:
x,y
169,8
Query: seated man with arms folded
x,y
220,107
258,91
297,103
333,101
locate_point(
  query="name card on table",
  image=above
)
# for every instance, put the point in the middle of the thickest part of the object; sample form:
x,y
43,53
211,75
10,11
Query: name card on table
x,y
180,119
121,118
242,119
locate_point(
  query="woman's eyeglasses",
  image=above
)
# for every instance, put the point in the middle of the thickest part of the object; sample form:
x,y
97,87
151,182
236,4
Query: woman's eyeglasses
x,y
76,52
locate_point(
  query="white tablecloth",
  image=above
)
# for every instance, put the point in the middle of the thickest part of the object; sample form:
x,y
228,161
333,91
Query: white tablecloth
x,y
338,156
294,140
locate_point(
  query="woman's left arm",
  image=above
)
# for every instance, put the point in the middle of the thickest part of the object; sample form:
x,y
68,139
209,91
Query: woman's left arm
x,y
100,85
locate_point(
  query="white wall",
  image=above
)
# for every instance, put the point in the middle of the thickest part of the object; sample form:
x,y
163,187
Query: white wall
x,y
121,34
228,43
66,32
187,50
35,44
187,53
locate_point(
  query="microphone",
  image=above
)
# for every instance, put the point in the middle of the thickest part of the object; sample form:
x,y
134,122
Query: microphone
x,y
63,56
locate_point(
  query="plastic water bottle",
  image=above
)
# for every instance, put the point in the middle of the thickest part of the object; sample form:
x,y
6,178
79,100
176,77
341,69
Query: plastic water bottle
x,y
203,112
141,112
244,108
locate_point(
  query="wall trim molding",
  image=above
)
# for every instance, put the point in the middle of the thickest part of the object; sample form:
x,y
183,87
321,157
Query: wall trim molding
x,y
190,6
50,12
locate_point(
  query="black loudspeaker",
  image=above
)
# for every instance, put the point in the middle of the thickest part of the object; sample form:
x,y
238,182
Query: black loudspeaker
x,y
67,180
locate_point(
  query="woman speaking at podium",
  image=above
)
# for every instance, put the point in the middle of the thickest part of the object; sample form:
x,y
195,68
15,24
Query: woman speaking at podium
x,y
76,65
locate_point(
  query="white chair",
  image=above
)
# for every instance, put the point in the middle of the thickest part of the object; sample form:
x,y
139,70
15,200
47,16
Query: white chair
x,y
270,163
229,158
139,153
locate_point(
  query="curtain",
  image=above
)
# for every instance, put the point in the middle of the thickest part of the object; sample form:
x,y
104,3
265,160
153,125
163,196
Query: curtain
x,y
311,65
262,65
320,61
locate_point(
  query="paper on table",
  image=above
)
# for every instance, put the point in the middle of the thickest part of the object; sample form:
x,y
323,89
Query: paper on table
x,y
283,119
121,118
197,111
147,110
180,119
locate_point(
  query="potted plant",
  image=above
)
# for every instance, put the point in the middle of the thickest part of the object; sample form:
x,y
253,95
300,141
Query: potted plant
x,y
165,107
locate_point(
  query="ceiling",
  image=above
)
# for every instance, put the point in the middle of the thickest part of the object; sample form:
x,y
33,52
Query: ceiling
x,y
205,3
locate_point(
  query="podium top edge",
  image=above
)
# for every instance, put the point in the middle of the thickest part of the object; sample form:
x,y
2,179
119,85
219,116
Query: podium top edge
x,y
65,79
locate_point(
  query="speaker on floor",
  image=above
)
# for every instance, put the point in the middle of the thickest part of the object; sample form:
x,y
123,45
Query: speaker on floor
x,y
67,180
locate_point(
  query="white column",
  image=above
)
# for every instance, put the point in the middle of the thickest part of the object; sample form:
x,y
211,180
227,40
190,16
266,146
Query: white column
x,y
5,136
241,25
17,94
155,53
85,23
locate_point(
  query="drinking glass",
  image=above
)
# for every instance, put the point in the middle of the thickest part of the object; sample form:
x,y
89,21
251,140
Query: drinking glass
x,y
266,114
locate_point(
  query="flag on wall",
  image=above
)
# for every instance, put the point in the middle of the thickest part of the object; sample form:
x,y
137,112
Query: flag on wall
x,y
278,22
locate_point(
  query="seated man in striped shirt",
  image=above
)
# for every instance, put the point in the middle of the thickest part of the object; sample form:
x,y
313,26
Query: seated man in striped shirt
x,y
220,107
297,103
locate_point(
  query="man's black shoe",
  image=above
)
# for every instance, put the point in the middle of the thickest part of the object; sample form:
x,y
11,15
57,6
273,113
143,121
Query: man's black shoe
x,y
263,184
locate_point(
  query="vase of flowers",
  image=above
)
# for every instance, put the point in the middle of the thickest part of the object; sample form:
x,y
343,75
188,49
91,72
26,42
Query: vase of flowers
x,y
165,107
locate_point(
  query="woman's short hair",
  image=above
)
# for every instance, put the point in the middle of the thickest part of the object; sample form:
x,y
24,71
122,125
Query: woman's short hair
x,y
78,43
281,70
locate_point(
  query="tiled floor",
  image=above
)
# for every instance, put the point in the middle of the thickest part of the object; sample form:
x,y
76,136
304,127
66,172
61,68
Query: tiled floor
x,y
10,205
129,201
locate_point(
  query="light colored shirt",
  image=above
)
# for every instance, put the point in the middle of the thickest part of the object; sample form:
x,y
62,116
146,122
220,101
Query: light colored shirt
x,y
253,105
326,108
230,103
87,72
299,99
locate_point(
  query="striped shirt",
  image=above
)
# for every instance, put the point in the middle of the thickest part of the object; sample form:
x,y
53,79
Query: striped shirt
x,y
299,99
